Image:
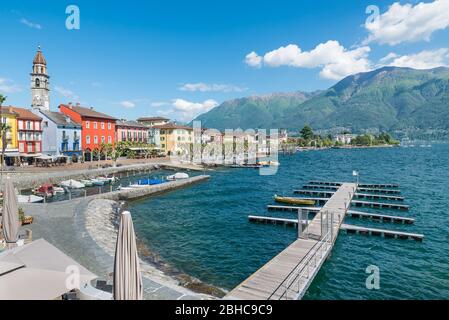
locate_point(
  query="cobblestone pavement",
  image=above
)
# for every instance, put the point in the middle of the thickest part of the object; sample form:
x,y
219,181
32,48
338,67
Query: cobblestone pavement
x,y
69,226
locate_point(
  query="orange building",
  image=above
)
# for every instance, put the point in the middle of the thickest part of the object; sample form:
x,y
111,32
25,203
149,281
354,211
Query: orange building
x,y
97,127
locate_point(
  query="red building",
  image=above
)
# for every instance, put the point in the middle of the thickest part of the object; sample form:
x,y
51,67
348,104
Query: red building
x,y
29,132
97,127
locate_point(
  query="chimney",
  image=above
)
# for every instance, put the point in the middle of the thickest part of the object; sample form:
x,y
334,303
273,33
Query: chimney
x,y
77,104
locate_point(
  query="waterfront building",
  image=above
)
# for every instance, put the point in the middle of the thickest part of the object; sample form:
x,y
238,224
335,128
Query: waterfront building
x,y
153,133
97,128
29,134
61,135
174,139
132,131
345,138
40,83
9,117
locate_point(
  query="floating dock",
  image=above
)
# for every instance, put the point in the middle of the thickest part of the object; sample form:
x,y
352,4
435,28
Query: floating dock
x,y
382,232
360,185
380,205
361,189
289,274
328,194
277,221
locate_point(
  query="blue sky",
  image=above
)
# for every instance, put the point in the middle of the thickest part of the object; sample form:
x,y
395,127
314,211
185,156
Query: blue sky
x,y
180,58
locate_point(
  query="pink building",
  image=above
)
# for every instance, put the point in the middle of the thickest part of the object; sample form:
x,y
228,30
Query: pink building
x,y
131,131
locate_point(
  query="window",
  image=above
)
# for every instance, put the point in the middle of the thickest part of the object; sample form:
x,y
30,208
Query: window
x,y
87,139
109,126
102,126
38,147
28,125
162,138
163,145
21,136
38,83
103,139
87,124
95,126
45,124
109,139
95,140
123,135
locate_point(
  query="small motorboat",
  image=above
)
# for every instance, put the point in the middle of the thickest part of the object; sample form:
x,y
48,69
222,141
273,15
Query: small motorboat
x,y
72,184
87,183
178,176
29,199
296,201
59,190
125,188
45,190
98,182
104,179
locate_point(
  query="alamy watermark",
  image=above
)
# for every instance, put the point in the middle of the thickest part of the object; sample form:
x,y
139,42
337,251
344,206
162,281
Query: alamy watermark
x,y
73,20
373,280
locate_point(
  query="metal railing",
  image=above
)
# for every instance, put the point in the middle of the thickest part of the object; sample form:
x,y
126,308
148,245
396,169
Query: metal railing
x,y
290,287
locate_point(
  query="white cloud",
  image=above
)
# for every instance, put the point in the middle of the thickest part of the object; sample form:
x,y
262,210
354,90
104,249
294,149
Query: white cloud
x,y
205,87
30,24
127,104
159,104
7,87
186,110
66,93
426,59
408,22
253,60
335,61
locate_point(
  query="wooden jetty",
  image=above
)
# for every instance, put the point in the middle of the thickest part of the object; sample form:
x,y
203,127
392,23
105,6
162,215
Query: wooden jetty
x,y
360,185
289,274
382,232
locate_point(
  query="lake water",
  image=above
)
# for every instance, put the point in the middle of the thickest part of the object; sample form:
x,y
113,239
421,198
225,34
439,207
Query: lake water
x,y
203,230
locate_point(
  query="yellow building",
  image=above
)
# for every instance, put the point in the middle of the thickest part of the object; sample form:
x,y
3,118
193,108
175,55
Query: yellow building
x,y
174,139
9,117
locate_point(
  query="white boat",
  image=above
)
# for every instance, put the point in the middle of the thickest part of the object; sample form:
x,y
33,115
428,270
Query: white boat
x,y
29,199
58,190
87,183
125,188
178,176
72,184
97,182
136,186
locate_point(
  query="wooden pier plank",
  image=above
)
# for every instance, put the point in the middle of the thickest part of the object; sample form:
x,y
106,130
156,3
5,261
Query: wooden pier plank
x,y
265,283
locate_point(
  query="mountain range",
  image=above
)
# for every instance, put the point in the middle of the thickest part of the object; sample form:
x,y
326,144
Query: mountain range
x,y
386,99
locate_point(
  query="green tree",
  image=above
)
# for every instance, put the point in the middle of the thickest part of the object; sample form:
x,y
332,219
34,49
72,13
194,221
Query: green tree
x,y
306,133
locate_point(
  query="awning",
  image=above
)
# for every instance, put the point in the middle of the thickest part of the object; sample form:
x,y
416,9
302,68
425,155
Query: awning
x,y
12,154
30,155
38,271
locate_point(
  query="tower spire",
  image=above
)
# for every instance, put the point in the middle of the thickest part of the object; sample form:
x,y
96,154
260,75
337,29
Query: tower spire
x,y
40,85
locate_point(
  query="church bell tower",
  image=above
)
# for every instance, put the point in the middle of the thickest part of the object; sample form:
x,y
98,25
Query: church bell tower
x,y
40,85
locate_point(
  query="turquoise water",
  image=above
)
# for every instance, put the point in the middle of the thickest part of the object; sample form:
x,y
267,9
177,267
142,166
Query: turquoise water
x,y
203,230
